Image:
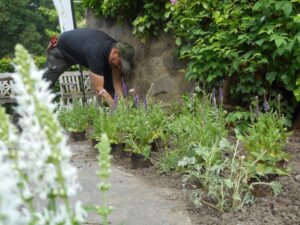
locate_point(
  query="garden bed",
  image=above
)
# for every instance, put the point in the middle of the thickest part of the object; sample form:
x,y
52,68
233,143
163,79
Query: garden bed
x,y
282,209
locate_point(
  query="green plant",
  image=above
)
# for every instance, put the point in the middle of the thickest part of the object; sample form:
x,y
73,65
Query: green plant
x,y
265,139
6,65
40,61
297,90
239,120
74,119
104,173
198,122
254,44
224,174
140,126
150,21
105,122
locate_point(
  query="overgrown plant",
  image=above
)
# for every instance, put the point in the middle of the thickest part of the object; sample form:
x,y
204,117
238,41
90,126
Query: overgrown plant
x,y
225,175
266,138
198,121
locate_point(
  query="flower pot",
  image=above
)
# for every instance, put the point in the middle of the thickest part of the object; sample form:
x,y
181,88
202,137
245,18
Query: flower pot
x,y
78,136
157,145
139,161
117,150
94,142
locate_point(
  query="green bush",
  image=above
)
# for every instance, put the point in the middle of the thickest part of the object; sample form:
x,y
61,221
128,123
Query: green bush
x,y
264,142
254,43
6,65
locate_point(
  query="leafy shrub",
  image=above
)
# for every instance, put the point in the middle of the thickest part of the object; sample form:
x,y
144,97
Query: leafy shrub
x,y
264,142
254,43
6,65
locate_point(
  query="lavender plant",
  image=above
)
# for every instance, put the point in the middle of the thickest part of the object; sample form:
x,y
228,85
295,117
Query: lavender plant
x,y
75,118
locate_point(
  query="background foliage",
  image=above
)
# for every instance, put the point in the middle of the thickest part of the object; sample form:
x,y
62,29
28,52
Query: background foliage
x,y
255,45
26,22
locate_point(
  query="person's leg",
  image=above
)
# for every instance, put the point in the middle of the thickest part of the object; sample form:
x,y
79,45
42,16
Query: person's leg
x,y
56,64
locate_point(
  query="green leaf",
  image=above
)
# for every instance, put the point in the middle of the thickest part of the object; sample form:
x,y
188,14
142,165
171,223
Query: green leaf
x,y
178,41
287,8
167,14
271,76
141,29
260,42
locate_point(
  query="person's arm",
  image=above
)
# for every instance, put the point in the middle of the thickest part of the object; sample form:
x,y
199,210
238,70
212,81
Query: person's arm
x,y
98,84
117,81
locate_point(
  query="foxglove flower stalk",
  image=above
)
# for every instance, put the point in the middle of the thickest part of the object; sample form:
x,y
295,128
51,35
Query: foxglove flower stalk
x,y
124,88
43,153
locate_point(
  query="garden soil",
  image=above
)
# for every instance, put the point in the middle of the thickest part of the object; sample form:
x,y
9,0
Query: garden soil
x,y
145,197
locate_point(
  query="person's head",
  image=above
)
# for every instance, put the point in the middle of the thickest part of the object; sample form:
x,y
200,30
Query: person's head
x,y
122,55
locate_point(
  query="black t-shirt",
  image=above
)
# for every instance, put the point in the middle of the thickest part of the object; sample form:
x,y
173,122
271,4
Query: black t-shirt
x,y
90,48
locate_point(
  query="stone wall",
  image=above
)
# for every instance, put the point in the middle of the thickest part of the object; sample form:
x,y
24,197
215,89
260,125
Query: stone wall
x,y
156,62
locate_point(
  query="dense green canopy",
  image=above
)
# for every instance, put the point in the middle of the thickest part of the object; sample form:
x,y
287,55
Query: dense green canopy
x,y
28,22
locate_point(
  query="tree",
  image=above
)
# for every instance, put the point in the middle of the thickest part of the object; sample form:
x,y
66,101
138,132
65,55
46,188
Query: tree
x,y
27,22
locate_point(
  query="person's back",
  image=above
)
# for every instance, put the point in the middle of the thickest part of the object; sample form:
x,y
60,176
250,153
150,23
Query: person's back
x,y
88,47
101,54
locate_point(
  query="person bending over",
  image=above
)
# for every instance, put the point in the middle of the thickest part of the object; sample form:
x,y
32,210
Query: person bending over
x,y
106,59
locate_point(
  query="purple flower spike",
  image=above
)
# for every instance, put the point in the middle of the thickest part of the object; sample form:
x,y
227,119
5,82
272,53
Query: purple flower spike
x,y
221,95
124,88
266,104
136,100
256,107
115,103
145,103
173,2
214,97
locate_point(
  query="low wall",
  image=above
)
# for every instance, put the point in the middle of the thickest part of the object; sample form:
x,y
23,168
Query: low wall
x,y
155,61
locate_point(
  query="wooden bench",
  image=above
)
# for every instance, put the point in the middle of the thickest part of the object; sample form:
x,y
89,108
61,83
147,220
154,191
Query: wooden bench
x,y
69,83
6,92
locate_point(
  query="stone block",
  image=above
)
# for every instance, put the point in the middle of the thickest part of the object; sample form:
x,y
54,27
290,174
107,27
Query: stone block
x,y
154,68
163,85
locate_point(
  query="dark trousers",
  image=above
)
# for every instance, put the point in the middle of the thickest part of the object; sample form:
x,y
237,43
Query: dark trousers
x,y
56,64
